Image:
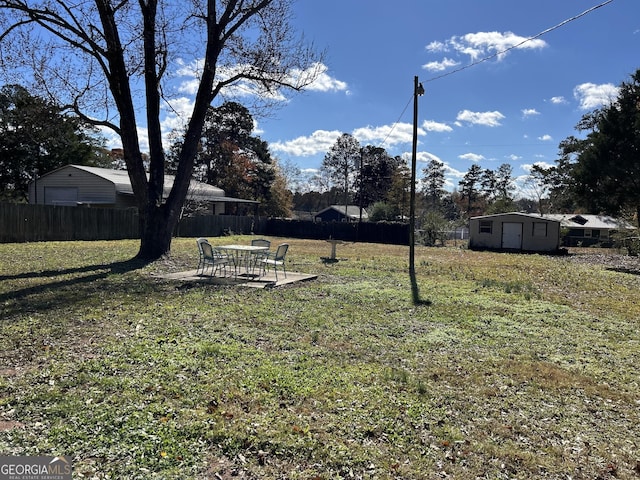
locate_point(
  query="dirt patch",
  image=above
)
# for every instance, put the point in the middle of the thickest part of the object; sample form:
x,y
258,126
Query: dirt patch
x,y
6,425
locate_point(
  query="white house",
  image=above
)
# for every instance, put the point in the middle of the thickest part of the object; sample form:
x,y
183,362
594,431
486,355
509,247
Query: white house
x,y
583,229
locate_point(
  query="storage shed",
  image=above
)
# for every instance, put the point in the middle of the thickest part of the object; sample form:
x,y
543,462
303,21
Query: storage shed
x,y
75,185
514,232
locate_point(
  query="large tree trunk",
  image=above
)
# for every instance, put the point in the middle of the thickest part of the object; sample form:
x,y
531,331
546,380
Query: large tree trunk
x,y
156,232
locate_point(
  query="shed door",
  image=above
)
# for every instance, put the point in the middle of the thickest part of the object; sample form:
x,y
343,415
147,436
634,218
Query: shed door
x,y
512,235
60,195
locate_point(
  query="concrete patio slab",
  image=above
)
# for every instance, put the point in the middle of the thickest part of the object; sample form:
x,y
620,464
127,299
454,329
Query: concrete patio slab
x,y
265,281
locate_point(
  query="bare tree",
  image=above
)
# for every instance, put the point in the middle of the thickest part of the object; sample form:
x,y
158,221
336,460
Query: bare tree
x,y
110,62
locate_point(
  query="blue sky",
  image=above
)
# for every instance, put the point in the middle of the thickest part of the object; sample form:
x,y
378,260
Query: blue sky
x,y
513,108
496,91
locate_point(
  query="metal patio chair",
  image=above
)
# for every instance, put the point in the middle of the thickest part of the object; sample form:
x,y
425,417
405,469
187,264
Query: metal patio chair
x,y
213,258
275,260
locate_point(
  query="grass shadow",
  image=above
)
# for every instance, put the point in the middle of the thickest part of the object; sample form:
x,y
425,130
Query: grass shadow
x,y
629,271
115,267
415,292
62,291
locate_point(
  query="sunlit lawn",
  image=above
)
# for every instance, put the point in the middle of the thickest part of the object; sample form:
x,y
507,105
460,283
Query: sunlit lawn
x,y
523,366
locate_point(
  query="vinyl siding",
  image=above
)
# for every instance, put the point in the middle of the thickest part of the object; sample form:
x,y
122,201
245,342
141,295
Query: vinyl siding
x,y
91,188
532,240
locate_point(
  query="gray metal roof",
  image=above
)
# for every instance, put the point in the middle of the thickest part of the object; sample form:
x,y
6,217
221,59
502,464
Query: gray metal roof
x,y
546,218
597,222
197,190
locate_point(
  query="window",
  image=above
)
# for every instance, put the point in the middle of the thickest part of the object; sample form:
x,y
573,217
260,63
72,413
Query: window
x,y
486,226
540,229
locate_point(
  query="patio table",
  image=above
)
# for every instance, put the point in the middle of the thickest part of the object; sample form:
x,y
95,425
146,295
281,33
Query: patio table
x,y
243,253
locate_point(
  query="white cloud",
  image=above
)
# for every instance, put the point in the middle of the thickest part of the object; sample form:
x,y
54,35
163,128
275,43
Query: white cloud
x,y
558,100
112,139
484,44
591,96
426,157
432,126
323,82
529,112
191,72
528,166
474,157
546,138
143,138
320,141
451,172
441,65
487,43
257,130
180,110
436,46
489,119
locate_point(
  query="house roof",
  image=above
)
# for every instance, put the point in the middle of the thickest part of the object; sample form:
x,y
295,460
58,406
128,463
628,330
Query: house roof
x,y
353,211
197,190
598,222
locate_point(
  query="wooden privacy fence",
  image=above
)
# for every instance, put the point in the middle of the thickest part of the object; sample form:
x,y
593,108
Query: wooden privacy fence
x,y
39,223
36,223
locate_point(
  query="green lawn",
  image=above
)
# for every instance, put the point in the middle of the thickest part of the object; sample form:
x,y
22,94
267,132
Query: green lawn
x,y
523,366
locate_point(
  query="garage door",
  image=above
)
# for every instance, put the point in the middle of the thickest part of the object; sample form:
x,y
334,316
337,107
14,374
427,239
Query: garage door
x,y
512,235
60,195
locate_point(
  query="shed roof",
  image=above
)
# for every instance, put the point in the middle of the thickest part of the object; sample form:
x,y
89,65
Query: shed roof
x,y
545,218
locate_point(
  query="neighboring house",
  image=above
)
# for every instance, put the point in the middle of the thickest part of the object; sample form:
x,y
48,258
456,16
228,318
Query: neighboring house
x,y
337,213
586,230
74,185
514,232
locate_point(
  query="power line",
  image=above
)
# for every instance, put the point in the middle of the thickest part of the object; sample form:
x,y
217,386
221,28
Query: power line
x,y
396,122
544,32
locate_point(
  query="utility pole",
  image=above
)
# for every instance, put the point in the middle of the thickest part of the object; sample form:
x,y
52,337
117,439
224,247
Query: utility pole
x,y
418,90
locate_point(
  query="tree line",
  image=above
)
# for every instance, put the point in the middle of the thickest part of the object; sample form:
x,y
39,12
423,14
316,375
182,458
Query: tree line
x,y
371,178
